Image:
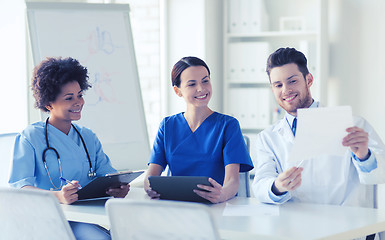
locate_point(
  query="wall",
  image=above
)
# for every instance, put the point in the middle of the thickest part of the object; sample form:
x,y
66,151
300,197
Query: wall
x,y
356,58
193,28
145,21
12,67
357,75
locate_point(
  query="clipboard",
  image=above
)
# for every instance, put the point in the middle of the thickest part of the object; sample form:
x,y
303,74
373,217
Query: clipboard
x,y
96,189
179,188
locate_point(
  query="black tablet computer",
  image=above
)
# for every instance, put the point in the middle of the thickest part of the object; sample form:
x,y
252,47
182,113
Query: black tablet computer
x,y
178,188
97,188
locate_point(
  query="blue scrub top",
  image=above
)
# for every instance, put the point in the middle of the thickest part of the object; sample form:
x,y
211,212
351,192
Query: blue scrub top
x,y
28,167
218,141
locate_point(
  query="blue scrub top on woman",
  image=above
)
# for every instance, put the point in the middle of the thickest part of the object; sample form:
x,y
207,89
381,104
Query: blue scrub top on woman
x,y
218,141
28,167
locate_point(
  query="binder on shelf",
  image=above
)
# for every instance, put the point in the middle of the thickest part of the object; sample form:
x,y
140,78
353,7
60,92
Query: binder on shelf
x,y
264,109
234,57
251,106
234,13
296,23
303,46
247,16
258,17
247,62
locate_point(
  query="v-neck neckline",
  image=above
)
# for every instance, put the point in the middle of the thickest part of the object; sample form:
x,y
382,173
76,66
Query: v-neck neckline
x,y
188,126
62,135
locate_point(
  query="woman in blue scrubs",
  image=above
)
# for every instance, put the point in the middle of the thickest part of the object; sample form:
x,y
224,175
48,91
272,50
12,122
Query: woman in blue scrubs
x,y
199,141
74,152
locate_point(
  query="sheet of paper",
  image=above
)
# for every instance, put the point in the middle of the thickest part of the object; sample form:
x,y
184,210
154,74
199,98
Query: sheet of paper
x,y
320,131
251,210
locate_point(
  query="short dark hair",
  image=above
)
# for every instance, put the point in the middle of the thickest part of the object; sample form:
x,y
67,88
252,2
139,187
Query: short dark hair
x,y
182,64
283,56
52,74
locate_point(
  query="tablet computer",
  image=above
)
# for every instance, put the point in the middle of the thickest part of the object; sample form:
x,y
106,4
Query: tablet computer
x,y
178,188
97,188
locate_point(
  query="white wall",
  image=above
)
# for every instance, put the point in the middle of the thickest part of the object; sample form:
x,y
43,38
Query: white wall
x,y
13,117
193,28
357,61
145,24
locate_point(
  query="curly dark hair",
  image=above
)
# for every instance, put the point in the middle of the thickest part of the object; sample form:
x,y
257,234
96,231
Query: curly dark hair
x,y
52,74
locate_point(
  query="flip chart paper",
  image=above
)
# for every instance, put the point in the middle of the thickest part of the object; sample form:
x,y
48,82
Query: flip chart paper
x,y
320,132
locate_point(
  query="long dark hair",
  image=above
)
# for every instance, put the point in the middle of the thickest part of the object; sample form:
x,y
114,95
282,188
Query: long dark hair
x,y
182,64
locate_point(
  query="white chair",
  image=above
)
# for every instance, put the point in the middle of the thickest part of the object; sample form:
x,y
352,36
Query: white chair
x,y
7,142
32,215
160,219
244,177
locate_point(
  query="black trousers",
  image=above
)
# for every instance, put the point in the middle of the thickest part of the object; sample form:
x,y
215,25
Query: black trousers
x,y
370,237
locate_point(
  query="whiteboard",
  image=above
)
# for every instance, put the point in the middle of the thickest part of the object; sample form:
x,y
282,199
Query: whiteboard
x,y
99,36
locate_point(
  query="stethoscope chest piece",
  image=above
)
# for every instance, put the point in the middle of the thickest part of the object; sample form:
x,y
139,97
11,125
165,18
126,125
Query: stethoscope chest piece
x,y
91,172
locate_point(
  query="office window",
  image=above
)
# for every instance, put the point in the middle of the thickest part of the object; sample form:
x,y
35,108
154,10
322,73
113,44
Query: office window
x,y
145,23
13,97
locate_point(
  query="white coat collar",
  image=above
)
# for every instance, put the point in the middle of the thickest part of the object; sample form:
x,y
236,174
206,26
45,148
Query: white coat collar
x,y
283,127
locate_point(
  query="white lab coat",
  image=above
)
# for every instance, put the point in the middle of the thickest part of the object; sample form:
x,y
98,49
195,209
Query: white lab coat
x,y
325,179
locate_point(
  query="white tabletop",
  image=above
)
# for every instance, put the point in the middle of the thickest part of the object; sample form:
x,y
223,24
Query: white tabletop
x,y
94,211
291,221
304,221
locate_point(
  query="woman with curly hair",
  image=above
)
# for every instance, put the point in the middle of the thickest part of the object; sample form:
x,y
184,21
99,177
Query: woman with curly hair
x,y
48,151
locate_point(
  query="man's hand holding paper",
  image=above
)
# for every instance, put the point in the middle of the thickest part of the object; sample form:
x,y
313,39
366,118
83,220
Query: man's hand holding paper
x,y
288,180
358,141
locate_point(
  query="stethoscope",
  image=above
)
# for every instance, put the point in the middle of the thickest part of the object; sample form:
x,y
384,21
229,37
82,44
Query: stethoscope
x,y
91,172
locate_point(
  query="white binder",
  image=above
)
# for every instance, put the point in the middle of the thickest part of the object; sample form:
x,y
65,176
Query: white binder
x,y
234,12
247,62
251,106
247,16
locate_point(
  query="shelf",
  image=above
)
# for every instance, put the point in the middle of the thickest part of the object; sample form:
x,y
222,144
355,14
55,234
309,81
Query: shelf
x,y
251,33
305,34
250,36
249,85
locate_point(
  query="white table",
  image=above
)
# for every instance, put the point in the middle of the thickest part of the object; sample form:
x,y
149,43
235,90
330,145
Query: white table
x,y
295,220
94,211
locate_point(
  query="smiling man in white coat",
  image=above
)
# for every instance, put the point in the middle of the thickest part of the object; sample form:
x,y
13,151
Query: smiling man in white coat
x,y
347,180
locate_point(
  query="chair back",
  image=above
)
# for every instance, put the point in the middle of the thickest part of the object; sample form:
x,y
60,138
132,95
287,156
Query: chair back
x,y
32,215
244,177
160,219
7,142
